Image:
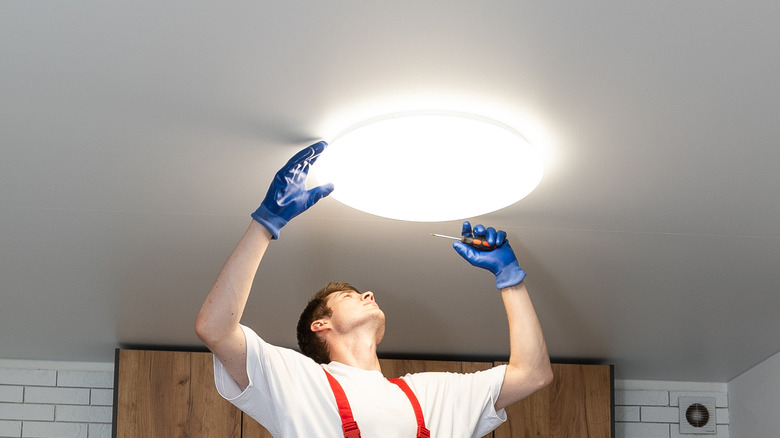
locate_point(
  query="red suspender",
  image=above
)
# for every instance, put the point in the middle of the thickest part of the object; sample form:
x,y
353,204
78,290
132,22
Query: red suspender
x,y
348,423
422,432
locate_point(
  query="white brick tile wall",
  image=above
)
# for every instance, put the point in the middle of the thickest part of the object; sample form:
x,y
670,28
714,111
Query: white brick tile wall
x,y
33,429
99,430
642,398
52,403
642,430
12,394
12,376
85,414
62,396
101,397
85,379
10,428
723,415
627,414
721,398
655,413
19,411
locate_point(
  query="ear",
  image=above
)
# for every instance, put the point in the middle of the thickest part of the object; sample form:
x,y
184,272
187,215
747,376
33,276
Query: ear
x,y
320,325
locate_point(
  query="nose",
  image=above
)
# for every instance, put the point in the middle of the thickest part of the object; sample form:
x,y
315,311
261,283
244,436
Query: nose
x,y
367,296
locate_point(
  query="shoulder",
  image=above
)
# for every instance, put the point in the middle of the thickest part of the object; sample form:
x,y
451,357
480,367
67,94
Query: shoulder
x,y
264,357
489,381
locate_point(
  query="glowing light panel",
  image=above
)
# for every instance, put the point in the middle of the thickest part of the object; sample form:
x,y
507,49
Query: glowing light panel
x,y
430,166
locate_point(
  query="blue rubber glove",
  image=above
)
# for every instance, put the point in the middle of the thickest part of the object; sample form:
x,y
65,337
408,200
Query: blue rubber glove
x,y
287,197
500,261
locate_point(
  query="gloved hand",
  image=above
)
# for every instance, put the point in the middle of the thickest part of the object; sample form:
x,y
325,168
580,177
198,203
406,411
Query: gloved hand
x,y
287,197
500,261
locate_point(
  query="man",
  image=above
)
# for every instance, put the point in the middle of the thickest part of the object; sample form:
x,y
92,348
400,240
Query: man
x,y
297,396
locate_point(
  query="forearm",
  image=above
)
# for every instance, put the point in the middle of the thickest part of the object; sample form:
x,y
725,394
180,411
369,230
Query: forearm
x,y
221,312
529,362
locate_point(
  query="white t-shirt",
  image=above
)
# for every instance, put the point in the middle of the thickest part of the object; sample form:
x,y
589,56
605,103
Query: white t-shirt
x,y
289,395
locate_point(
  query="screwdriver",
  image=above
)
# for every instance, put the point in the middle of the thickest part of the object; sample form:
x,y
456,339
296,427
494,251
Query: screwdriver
x,y
479,244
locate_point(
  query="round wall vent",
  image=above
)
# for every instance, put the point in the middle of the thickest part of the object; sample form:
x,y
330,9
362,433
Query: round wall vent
x,y
697,416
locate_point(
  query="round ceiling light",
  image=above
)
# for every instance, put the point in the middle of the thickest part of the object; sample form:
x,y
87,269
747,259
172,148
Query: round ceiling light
x,y
430,166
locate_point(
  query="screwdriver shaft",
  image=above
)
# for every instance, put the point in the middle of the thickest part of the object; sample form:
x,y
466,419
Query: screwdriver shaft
x,y
446,237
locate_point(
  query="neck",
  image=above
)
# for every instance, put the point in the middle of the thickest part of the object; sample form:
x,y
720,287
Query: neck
x,y
358,352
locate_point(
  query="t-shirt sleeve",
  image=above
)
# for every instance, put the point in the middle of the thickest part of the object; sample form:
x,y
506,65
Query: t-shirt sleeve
x,y
275,373
461,404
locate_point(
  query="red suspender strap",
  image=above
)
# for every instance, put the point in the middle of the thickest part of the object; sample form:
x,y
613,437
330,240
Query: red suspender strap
x,y
422,432
347,421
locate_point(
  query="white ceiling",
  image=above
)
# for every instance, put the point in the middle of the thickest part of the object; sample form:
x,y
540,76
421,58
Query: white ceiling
x,y
137,137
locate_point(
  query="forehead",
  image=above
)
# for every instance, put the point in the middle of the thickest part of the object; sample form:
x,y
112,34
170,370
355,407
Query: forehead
x,y
338,294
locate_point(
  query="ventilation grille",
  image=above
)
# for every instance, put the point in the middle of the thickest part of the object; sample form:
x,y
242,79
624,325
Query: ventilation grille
x,y
697,416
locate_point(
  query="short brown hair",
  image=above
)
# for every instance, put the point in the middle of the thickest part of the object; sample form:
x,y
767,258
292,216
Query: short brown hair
x,y
310,344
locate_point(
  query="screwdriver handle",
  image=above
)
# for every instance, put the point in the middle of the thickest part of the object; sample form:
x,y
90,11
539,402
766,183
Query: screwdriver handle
x,y
479,244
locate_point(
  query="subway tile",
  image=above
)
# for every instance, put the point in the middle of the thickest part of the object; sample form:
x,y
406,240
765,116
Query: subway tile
x,y
60,396
14,376
641,430
641,398
99,430
721,398
33,429
12,429
17,411
84,414
722,415
627,413
11,394
85,379
102,397
655,414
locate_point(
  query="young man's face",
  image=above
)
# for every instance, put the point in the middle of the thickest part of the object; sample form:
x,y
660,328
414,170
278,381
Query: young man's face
x,y
352,309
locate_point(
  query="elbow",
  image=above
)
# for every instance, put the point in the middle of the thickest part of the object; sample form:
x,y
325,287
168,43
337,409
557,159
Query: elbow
x,y
212,331
539,376
545,376
539,379
204,330
200,329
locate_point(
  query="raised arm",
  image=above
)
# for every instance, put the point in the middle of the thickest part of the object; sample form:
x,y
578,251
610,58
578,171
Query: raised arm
x,y
529,363
217,324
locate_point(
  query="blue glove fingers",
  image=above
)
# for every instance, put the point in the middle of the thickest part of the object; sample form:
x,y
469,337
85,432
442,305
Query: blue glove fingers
x,y
307,155
306,158
297,167
500,261
287,196
466,231
490,236
318,193
500,237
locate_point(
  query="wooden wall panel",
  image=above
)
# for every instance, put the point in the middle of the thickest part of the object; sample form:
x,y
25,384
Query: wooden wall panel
x,y
170,394
253,429
577,404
